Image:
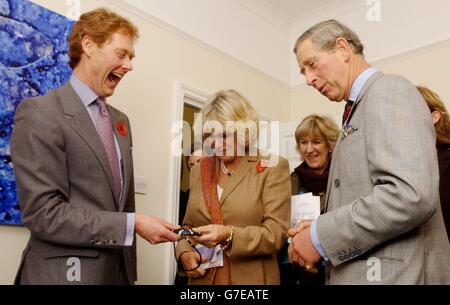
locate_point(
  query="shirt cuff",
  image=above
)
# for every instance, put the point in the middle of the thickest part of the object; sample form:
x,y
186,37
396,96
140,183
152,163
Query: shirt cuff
x,y
129,238
315,240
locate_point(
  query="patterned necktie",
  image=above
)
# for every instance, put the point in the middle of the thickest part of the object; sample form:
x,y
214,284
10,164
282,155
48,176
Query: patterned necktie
x,y
347,110
105,131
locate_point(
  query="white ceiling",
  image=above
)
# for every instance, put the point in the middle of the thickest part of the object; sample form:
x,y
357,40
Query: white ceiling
x,y
285,14
259,35
292,9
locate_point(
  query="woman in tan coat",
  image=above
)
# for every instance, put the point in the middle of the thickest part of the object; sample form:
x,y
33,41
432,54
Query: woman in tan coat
x,y
239,200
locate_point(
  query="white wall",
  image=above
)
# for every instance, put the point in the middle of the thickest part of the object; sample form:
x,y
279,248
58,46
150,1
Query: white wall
x,y
228,26
148,96
431,68
13,241
306,100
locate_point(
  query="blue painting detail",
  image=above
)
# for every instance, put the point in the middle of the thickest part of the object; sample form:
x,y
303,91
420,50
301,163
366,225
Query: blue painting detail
x,y
33,61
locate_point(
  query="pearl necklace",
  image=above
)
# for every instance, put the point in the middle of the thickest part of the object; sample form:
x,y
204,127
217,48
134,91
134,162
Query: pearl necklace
x,y
224,169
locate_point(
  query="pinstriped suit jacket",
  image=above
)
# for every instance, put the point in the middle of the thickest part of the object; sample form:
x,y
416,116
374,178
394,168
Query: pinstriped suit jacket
x,y
383,223
65,193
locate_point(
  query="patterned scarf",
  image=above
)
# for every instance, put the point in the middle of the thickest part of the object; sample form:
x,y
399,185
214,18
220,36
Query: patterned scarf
x,y
219,275
310,181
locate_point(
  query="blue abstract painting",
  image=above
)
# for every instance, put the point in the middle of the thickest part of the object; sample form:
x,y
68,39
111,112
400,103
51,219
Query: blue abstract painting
x,y
33,60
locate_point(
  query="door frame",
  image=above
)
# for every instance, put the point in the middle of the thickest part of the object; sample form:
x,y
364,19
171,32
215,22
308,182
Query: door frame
x,y
189,95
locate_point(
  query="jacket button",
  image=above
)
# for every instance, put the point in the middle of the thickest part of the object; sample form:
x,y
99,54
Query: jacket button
x,y
337,183
341,258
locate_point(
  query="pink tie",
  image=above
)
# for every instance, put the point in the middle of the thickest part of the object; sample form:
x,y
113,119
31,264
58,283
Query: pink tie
x,y
105,131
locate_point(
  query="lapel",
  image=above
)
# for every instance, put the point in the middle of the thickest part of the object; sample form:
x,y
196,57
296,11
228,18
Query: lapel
x,y
330,176
237,177
361,94
124,145
82,124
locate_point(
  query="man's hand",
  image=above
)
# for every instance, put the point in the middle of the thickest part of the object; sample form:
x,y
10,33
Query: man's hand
x,y
301,250
212,235
155,230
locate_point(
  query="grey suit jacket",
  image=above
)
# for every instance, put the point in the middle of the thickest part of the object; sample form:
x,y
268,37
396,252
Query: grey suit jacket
x,y
383,224
64,184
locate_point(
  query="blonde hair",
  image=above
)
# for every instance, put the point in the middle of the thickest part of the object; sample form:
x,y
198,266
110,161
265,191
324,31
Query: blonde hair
x,y
435,103
231,106
99,24
316,125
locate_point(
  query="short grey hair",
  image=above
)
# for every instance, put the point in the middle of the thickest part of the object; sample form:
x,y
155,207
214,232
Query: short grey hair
x,y
324,34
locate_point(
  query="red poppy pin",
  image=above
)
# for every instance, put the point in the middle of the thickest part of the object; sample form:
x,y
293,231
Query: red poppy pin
x,y
261,166
121,127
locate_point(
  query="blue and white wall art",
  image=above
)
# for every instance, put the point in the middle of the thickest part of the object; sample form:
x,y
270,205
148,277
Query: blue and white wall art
x,y
33,60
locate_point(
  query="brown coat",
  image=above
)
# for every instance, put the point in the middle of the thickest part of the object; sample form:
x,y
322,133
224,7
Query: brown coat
x,y
258,206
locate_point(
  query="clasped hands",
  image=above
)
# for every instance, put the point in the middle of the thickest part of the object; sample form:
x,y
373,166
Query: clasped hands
x,y
301,250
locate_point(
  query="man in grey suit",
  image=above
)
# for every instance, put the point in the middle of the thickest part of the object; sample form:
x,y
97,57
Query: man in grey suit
x,y
72,156
382,223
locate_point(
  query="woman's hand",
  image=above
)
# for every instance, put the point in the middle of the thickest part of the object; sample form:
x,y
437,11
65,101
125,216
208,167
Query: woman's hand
x,y
212,235
191,260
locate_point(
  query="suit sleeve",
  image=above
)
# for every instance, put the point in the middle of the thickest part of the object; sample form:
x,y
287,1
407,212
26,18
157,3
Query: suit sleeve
x,y
39,160
400,143
268,238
